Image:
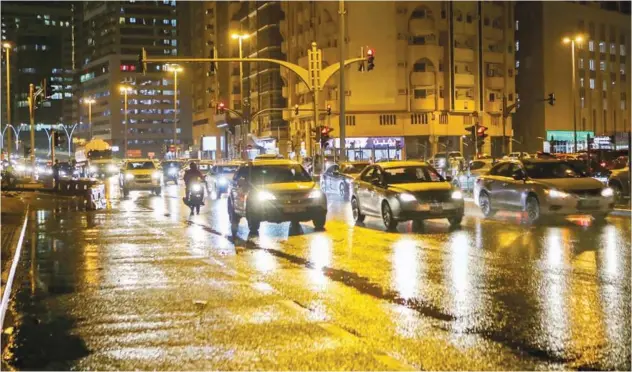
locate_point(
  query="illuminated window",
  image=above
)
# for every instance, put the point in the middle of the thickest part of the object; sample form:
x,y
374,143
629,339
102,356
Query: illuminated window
x,y
591,64
132,20
613,48
591,46
47,23
602,65
121,20
517,46
581,82
621,50
592,83
581,63
602,47
622,69
604,85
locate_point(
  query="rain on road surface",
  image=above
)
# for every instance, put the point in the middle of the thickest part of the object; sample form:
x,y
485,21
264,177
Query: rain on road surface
x,y
143,286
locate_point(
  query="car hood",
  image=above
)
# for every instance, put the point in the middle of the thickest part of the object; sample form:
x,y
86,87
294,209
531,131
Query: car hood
x,y
571,184
421,186
289,187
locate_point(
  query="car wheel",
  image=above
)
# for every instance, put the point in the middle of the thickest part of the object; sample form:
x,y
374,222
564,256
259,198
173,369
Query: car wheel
x,y
319,221
533,210
485,203
125,192
358,217
617,190
455,221
253,224
342,188
233,218
387,217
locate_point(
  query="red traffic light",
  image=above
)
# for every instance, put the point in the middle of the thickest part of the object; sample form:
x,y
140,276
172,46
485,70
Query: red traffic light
x,y
324,130
370,52
221,105
481,130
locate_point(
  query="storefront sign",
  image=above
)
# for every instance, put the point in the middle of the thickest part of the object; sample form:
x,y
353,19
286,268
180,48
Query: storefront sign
x,y
370,142
209,143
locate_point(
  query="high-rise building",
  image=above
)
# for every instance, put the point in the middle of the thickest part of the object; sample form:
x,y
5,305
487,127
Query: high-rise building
x,y
112,35
43,48
600,32
440,67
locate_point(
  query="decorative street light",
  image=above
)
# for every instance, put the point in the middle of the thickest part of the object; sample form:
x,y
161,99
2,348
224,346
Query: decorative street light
x,y
246,120
574,40
89,102
125,89
175,69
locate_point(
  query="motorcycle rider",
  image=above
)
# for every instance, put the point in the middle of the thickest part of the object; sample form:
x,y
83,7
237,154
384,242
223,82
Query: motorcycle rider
x,y
192,174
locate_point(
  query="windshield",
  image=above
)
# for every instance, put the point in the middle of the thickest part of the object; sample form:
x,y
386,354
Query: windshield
x,y
456,154
141,165
226,169
354,168
552,170
478,165
266,174
171,164
412,174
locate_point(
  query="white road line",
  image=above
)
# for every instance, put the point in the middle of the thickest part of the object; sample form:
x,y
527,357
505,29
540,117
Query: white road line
x,y
14,265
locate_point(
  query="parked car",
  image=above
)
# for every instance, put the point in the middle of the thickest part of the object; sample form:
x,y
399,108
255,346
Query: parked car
x,y
405,190
542,188
275,190
339,177
465,179
517,155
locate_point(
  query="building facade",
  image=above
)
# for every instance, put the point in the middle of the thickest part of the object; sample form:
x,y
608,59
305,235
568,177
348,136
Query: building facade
x,y
440,67
544,65
42,38
112,35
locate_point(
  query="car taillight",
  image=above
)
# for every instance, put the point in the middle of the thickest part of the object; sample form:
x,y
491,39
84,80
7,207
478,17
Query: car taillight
x,y
603,164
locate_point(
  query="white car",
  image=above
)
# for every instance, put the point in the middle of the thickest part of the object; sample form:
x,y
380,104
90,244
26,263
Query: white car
x,y
516,155
140,174
465,180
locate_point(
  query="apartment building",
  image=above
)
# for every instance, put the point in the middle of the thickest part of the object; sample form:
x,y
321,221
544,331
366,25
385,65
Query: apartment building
x,y
602,72
440,67
41,35
112,34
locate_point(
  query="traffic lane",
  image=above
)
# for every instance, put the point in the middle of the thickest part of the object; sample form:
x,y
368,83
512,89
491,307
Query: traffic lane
x,y
129,289
507,282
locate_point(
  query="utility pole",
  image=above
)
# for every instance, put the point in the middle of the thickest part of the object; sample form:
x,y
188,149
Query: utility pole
x,y
506,112
52,150
341,85
7,48
31,102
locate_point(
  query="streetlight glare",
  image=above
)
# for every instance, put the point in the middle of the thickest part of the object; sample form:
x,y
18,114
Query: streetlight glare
x,y
579,39
175,68
238,36
125,88
566,40
88,101
6,44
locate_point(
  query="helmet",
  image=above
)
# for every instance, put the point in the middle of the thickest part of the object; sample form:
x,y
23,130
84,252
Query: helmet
x,y
193,166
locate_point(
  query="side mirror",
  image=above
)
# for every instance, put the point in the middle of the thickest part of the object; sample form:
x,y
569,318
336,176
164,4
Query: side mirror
x,y
518,176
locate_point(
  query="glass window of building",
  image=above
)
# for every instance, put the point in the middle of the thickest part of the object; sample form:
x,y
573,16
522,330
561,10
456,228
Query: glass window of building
x,y
591,46
621,50
604,85
591,64
613,48
622,69
581,63
602,65
592,83
581,82
602,46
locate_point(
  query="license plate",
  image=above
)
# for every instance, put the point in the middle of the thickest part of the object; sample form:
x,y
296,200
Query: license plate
x,y
294,209
436,208
588,203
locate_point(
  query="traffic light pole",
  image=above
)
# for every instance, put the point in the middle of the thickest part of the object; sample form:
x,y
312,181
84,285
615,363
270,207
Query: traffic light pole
x,y
506,112
52,148
31,102
341,85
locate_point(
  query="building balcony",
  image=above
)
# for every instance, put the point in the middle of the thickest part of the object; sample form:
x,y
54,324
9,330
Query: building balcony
x,y
495,106
416,52
464,104
463,55
493,33
423,79
422,24
464,80
495,82
423,104
493,57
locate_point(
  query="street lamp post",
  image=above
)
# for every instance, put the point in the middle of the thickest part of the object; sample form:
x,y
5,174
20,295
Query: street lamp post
x,y
175,69
89,102
246,120
572,41
7,49
125,89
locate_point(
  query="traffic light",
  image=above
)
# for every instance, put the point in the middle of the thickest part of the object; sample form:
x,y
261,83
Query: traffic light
x,y
142,61
212,68
551,99
324,136
316,132
221,108
370,58
56,138
48,90
296,110
472,132
480,137
328,109
27,151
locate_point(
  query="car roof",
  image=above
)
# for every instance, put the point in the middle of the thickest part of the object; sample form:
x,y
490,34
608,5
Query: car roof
x,y
405,163
273,162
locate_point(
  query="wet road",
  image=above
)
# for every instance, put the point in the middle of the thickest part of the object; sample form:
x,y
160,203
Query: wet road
x,y
143,286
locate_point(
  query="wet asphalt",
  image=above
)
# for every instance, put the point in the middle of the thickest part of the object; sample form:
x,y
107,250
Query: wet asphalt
x,y
141,285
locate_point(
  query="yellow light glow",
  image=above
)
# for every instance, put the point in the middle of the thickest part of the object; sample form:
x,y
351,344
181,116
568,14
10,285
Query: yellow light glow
x,y
239,36
6,45
174,68
89,101
566,40
125,88
579,39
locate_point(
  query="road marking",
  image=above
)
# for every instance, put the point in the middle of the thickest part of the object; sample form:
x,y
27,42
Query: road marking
x,y
14,265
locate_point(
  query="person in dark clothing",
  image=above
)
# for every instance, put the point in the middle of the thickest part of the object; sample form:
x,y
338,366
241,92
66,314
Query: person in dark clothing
x,y
56,170
192,174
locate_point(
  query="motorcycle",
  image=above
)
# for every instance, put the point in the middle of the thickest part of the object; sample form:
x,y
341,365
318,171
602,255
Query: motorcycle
x,y
195,197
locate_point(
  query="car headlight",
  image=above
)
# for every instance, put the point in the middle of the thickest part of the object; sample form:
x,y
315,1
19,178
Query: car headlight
x,y
607,192
407,197
196,187
223,181
456,194
62,173
556,194
19,168
315,194
93,169
265,195
173,172
156,175
111,168
129,176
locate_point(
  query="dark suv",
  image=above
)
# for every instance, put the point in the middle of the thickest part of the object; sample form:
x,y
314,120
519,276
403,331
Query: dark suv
x,y
275,191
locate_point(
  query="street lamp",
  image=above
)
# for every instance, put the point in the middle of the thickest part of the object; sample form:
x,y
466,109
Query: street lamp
x,y
125,89
89,102
246,118
175,69
573,40
7,48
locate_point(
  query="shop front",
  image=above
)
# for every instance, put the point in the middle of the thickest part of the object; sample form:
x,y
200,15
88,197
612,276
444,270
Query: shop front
x,y
209,147
376,148
563,141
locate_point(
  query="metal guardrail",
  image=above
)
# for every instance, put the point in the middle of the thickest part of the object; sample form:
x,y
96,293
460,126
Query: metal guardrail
x,y
92,190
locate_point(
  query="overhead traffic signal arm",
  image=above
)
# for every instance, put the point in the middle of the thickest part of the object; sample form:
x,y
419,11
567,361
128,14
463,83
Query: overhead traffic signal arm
x,y
551,99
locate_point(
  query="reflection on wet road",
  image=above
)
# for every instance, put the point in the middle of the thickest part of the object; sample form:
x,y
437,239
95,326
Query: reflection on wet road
x,y
143,286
